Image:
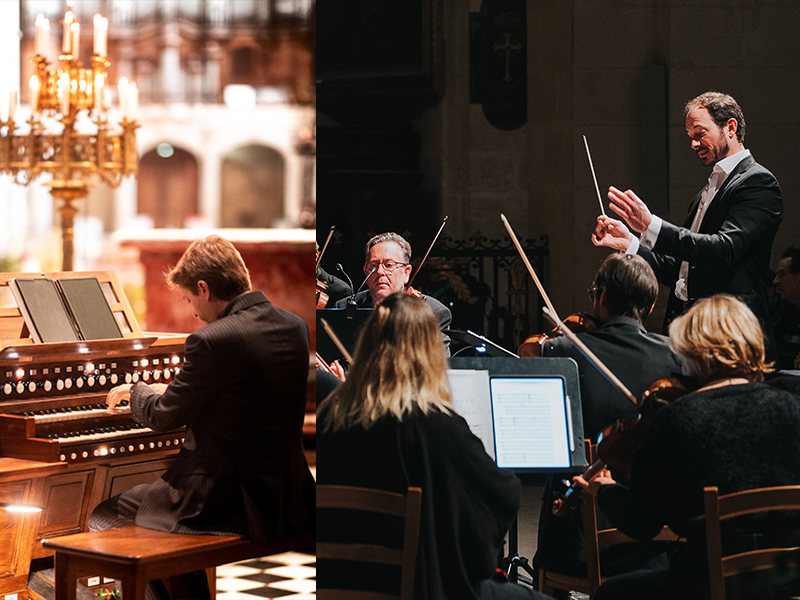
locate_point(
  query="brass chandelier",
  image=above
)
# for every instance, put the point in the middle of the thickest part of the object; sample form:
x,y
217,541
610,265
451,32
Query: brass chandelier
x,y
69,134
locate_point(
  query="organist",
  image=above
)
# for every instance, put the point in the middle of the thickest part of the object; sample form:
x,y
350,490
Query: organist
x,y
241,395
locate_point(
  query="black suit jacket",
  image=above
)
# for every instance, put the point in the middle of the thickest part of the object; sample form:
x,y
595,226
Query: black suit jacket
x,y
731,251
241,394
443,314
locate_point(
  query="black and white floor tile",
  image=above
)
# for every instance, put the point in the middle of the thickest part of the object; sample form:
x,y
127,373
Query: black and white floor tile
x,y
288,576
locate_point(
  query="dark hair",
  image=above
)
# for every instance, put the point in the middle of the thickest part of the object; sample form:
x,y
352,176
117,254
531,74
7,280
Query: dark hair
x,y
721,107
389,237
630,284
217,262
793,254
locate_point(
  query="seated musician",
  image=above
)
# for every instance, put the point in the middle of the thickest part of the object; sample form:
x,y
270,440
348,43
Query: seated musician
x,y
241,393
623,293
335,288
388,267
391,425
734,432
786,321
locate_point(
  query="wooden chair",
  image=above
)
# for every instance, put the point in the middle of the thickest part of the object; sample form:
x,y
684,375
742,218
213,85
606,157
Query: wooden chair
x,y
719,508
550,580
406,506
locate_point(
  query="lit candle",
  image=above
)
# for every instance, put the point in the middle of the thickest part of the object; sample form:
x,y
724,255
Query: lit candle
x,y
98,93
133,101
68,18
75,29
34,86
63,89
12,105
100,35
123,96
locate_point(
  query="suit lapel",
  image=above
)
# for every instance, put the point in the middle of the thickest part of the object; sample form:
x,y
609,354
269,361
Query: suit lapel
x,y
719,204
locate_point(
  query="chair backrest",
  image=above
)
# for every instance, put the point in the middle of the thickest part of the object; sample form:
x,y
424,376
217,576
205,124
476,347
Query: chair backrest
x,y
406,506
719,508
594,540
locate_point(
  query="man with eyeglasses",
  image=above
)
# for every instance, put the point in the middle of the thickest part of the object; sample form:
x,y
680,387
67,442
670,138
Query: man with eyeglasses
x,y
623,294
388,268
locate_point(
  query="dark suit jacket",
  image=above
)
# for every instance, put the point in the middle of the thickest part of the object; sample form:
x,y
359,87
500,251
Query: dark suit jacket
x,y
336,288
241,394
731,251
443,314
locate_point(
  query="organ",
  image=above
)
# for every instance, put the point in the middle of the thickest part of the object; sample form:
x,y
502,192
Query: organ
x,y
60,447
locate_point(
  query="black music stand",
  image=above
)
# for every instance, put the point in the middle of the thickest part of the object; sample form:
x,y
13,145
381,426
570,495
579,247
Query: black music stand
x,y
564,368
474,340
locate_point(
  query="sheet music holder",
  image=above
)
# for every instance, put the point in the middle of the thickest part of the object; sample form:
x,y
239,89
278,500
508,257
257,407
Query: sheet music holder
x,y
89,309
43,310
470,338
347,323
535,405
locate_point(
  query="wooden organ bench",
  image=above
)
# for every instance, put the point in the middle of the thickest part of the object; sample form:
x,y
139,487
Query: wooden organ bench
x,y
136,555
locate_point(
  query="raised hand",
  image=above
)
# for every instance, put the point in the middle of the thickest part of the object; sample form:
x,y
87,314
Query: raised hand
x,y
611,234
631,208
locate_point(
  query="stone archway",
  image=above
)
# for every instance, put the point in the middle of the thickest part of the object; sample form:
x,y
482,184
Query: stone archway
x,y
252,187
168,186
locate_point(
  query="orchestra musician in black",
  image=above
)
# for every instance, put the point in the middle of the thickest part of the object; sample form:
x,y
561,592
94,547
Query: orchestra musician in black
x,y
623,293
734,432
388,268
241,393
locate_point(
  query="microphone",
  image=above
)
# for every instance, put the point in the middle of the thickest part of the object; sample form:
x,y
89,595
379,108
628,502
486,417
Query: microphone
x,y
352,307
341,270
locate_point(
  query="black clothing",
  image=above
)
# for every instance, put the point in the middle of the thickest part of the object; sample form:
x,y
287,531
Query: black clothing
x,y
335,288
638,358
241,393
467,502
633,354
735,437
731,251
443,315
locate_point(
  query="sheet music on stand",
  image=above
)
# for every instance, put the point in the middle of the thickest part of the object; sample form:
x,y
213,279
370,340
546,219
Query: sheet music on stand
x,y
526,411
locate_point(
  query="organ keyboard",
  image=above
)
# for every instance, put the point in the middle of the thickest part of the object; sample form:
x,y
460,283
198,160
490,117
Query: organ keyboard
x,y
60,446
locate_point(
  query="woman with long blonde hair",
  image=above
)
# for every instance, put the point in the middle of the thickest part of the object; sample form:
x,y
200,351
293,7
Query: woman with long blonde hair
x,y
391,425
734,432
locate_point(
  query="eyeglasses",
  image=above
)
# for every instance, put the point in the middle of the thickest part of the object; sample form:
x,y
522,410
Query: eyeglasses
x,y
389,266
592,291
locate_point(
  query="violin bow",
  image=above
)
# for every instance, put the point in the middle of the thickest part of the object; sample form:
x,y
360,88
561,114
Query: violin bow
x,y
325,247
436,237
337,342
550,313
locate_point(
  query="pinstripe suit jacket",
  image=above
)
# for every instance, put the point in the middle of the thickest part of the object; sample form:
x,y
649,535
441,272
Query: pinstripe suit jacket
x,y
241,394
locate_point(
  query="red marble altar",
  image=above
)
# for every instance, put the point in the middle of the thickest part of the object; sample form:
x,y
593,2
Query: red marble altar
x,y
280,261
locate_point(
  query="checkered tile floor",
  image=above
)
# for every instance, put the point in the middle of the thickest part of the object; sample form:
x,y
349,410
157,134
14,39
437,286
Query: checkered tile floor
x,y
289,576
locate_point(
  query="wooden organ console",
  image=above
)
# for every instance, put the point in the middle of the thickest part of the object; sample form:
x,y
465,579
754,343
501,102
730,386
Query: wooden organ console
x,y
60,447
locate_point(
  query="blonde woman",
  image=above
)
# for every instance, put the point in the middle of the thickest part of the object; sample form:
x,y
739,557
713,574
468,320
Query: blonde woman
x,y
733,432
390,426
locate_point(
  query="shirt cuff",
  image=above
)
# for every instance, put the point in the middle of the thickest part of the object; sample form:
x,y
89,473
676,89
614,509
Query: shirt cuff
x,y
633,247
650,236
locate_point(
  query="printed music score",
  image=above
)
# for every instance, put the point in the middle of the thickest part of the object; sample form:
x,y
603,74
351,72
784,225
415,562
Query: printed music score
x,y
470,396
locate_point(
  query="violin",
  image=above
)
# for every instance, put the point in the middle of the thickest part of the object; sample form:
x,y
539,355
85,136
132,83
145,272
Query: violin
x,y
617,442
579,322
322,297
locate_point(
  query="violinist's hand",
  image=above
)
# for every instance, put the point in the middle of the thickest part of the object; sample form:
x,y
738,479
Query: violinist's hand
x,y
338,370
602,478
628,206
611,234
